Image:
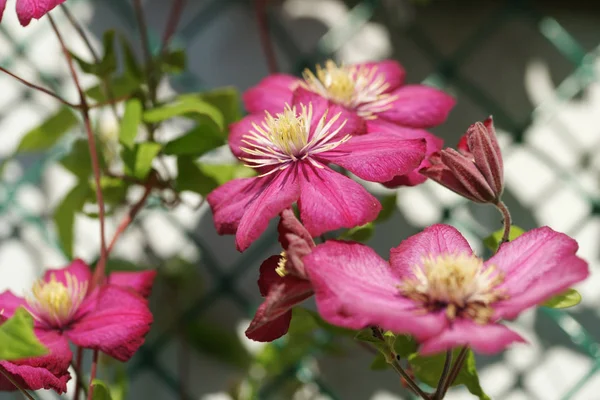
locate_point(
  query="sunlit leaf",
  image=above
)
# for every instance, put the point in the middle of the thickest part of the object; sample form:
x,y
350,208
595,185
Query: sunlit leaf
x,y
568,298
360,233
429,369
223,173
64,214
493,241
17,339
100,390
186,106
49,132
130,122
138,160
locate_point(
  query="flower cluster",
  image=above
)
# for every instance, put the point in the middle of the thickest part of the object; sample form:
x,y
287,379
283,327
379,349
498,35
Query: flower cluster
x,y
362,119
112,318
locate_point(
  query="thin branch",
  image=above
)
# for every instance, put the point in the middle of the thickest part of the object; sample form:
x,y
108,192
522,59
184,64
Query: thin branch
x,y
146,50
460,360
7,375
173,22
265,37
40,89
100,267
411,383
93,376
77,368
438,395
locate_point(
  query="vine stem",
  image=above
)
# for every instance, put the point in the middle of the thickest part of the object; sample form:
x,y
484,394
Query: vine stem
x,y
506,220
90,395
5,373
100,267
460,360
173,22
77,368
265,37
146,50
40,89
438,395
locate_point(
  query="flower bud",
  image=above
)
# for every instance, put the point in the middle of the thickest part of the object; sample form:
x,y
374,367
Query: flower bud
x,y
475,171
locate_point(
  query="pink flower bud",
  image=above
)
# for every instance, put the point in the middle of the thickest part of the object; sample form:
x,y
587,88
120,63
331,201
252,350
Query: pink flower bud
x,y
475,171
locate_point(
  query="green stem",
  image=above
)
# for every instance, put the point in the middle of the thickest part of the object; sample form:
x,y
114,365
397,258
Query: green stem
x,y
460,360
93,376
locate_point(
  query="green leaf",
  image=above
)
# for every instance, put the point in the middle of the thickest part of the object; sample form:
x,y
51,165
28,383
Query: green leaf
x,y
429,369
132,67
100,390
174,62
209,338
17,339
185,106
568,298
138,160
405,345
130,122
78,161
191,177
114,190
227,100
108,63
493,241
359,233
388,204
64,214
223,173
48,132
379,363
197,141
121,86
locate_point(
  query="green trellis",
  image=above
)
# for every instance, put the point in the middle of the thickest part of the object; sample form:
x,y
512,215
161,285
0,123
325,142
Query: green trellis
x,y
447,72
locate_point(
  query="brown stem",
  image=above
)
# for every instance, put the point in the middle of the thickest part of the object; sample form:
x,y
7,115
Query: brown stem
x,y
173,21
265,37
40,89
93,376
460,360
411,383
6,374
131,215
506,220
77,368
444,376
146,50
100,267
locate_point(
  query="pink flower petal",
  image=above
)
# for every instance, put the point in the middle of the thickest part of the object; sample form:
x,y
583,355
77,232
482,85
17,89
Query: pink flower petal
x,y
113,320
378,157
2,7
228,202
289,224
275,193
238,129
78,268
46,372
434,240
329,201
356,288
391,70
485,339
140,281
9,302
30,9
537,265
272,318
419,106
270,94
354,125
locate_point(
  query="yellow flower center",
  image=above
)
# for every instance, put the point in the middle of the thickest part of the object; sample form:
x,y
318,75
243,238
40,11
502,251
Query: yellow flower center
x,y
286,137
54,302
359,88
460,284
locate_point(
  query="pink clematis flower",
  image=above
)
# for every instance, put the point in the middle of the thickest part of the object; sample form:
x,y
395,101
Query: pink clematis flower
x,y
283,281
372,98
112,318
435,289
31,9
291,151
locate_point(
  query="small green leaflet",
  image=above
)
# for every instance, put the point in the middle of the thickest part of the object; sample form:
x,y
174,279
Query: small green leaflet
x,y
101,391
568,298
493,241
49,132
138,159
130,122
64,214
185,106
17,339
359,233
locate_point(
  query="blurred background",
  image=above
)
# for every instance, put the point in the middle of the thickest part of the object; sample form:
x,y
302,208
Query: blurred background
x,y
533,65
